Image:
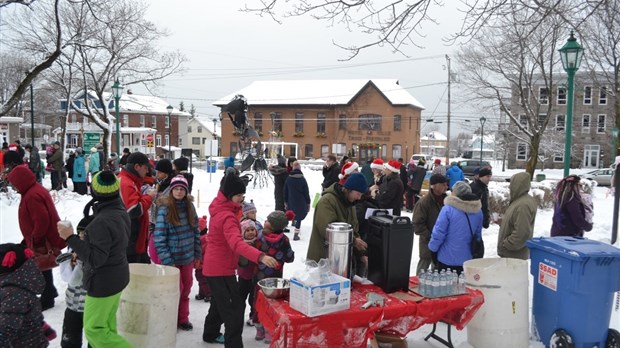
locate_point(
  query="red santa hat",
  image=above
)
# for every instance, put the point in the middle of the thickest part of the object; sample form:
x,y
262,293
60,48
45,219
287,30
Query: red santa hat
x,y
377,164
393,166
437,161
348,169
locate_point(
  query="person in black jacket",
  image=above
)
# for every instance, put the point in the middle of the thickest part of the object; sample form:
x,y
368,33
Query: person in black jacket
x,y
330,172
481,189
280,174
103,251
390,192
180,166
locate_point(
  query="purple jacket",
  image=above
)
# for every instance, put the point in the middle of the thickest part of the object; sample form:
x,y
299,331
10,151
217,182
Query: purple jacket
x,y
570,220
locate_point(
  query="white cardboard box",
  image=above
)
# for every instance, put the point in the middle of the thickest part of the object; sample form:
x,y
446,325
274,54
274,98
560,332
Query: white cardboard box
x,y
321,299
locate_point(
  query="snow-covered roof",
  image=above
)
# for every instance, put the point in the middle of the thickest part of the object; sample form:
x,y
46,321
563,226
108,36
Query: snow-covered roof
x,y
129,103
434,135
318,92
206,123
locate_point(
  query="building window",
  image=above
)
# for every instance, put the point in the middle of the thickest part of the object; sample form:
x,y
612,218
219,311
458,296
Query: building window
x,y
600,125
384,150
195,140
299,122
521,151
397,123
167,122
397,151
541,120
602,96
561,95
320,122
233,148
342,122
370,122
167,140
125,120
180,142
560,122
587,95
258,121
558,157
543,95
199,129
324,150
523,121
158,140
142,121
277,121
204,141
308,151
189,129
585,124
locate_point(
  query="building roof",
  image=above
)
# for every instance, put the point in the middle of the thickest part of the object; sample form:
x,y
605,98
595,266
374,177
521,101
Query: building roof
x,y
318,92
207,124
434,135
130,103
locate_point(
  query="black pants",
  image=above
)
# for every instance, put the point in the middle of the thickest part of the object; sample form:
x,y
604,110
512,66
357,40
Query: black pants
x,y
247,290
56,180
72,326
50,292
80,188
226,308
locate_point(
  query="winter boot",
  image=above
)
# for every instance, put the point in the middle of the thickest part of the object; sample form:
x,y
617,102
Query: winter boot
x,y
267,337
260,332
296,236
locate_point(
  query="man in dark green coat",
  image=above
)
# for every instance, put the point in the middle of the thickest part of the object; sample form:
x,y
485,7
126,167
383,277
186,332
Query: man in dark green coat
x,y
517,225
337,204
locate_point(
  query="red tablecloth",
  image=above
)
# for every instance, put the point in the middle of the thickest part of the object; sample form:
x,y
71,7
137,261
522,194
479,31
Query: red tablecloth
x,y
352,328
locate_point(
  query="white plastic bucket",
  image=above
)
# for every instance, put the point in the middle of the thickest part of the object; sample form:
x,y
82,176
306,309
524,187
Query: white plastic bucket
x,y
147,314
503,319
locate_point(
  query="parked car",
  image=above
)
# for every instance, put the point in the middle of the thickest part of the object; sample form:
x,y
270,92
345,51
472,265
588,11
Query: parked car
x,y
416,157
601,176
468,166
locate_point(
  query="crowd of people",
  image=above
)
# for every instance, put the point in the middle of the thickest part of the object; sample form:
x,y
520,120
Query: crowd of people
x,y
143,212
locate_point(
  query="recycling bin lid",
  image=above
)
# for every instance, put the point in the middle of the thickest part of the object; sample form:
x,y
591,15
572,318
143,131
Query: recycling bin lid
x,y
575,248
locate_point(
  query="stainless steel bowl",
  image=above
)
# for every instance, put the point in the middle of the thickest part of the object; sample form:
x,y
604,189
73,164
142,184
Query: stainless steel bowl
x,y
275,287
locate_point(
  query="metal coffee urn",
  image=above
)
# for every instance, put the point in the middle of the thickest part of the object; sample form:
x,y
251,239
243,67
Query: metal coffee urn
x,y
340,248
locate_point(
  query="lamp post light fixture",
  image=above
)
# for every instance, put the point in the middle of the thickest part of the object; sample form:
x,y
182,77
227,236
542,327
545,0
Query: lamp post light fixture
x,y
571,54
169,108
117,92
483,120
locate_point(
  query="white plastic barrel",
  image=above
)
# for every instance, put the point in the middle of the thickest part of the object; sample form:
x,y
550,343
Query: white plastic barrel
x,y
503,319
147,314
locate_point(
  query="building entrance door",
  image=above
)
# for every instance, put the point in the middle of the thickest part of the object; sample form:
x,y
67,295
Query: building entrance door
x,y
591,154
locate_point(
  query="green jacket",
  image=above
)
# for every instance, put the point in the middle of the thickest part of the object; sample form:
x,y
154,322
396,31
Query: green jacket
x,y
332,207
518,222
56,160
425,213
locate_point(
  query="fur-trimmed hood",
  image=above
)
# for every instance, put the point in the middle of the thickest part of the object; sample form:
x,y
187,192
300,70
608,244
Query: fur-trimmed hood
x,y
468,206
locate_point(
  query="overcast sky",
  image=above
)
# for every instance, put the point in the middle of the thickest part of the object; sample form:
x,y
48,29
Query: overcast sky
x,y
229,49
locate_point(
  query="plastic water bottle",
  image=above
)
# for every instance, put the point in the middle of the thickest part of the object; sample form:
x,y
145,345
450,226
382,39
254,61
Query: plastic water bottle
x,y
421,283
435,284
443,283
455,282
461,286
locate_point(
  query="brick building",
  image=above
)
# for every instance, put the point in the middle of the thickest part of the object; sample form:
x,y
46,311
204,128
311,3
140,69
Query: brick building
x,y
313,118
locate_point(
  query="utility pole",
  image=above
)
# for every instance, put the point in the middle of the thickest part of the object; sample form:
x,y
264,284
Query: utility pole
x,y
448,135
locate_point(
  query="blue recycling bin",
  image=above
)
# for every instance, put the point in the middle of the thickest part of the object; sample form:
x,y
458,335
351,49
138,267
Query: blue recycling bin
x,y
574,284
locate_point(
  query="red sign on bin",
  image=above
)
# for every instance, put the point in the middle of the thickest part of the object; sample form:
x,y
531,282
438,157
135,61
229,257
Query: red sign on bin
x,y
548,276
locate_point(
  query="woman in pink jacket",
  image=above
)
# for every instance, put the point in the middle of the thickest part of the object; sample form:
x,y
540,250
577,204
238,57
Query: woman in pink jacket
x,y
224,245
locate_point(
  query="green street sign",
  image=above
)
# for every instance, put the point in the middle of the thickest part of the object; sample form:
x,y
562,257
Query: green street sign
x,y
90,140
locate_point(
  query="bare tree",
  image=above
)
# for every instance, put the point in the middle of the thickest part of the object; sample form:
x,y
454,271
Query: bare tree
x,y
45,55
514,54
105,41
396,23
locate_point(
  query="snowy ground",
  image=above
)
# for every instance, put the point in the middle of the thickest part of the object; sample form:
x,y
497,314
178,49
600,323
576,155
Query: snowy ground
x,y
70,206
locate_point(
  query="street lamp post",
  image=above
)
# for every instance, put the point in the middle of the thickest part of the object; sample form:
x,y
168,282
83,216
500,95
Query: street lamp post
x,y
169,108
117,92
215,134
32,115
614,133
571,54
483,120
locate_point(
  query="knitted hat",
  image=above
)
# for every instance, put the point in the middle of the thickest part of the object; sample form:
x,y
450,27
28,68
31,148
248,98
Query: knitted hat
x,y
377,164
347,169
229,162
437,161
245,224
232,185
105,185
179,181
12,256
248,207
278,220
181,163
393,166
164,166
113,155
356,182
137,158
485,171
438,179
202,222
461,188
477,171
